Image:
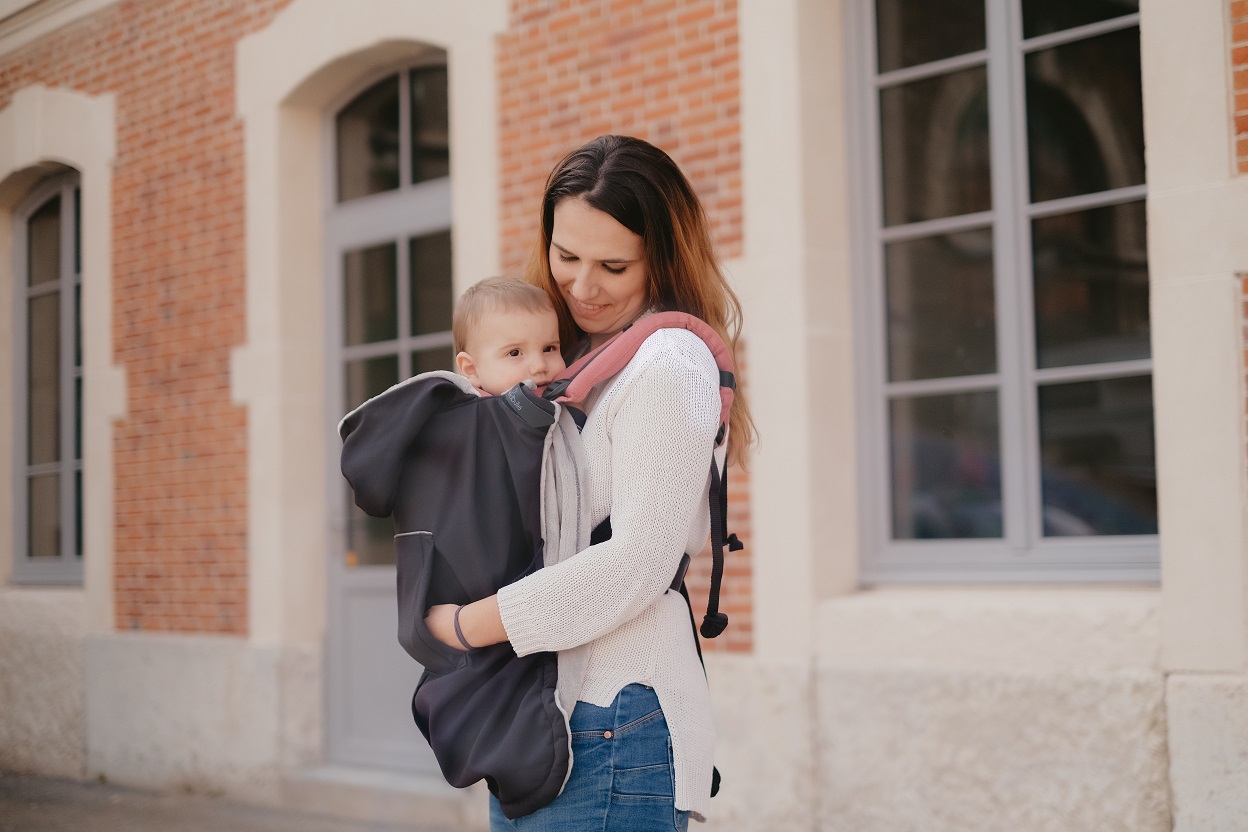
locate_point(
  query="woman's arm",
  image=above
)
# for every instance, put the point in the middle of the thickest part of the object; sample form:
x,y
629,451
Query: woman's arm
x,y
479,622
662,428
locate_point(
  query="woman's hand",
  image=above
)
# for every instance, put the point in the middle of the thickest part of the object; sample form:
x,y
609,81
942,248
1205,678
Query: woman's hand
x,y
479,621
441,623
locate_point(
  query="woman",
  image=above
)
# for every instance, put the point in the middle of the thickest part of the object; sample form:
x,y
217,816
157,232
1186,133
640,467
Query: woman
x,y
623,235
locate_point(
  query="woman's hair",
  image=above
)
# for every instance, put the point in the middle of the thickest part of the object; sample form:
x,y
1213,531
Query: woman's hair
x,y
493,294
640,186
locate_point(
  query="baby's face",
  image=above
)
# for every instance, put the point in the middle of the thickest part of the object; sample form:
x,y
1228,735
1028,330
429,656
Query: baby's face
x,y
510,346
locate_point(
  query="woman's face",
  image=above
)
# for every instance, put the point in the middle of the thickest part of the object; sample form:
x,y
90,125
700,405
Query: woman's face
x,y
599,267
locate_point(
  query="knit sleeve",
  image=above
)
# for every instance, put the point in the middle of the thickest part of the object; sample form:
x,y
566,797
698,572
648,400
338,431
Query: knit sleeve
x,y
662,432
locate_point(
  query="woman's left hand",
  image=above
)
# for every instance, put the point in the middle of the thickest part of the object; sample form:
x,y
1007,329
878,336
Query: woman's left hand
x,y
441,623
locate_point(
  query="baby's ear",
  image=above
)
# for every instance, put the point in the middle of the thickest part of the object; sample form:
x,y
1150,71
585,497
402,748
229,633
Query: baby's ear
x,y
467,368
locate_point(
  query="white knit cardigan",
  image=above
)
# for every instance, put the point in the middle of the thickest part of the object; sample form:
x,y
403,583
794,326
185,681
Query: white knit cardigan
x,y
608,609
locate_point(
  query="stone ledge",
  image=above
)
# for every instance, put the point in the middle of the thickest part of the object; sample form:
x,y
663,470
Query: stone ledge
x,y
1034,629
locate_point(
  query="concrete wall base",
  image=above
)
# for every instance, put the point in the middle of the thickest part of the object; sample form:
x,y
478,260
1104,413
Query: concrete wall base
x,y
208,714
1208,728
971,749
43,721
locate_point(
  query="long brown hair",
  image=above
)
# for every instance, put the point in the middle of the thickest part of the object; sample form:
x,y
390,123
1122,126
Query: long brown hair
x,y
640,186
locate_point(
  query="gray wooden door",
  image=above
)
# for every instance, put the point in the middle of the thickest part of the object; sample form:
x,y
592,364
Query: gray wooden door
x,y
388,250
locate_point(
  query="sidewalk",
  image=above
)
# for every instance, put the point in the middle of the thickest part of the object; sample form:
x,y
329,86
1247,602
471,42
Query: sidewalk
x,y
35,804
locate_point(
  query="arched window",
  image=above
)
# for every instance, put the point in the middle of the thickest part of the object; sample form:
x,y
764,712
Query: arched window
x,y
48,384
389,233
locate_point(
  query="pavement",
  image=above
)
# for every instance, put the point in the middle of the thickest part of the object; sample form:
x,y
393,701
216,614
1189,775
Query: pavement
x,y
37,804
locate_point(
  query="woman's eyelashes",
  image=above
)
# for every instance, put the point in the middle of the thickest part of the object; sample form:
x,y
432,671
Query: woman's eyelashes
x,y
571,258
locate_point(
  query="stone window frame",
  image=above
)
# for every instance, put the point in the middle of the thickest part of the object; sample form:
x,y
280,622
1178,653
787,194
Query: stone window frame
x,y
65,567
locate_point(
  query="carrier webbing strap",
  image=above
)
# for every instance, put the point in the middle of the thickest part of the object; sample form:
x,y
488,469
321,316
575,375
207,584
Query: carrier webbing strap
x,y
574,383
714,622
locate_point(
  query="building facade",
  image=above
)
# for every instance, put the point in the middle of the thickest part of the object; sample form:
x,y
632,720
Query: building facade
x,y
992,259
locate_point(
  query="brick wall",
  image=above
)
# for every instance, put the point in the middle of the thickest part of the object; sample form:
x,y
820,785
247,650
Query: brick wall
x,y
663,70
1239,68
180,453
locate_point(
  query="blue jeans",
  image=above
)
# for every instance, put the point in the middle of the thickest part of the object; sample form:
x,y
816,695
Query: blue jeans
x,y
622,778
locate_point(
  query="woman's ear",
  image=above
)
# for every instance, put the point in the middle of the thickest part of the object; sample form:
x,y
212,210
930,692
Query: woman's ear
x,y
467,368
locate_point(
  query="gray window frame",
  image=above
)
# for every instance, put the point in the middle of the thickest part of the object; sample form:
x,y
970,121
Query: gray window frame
x,y
1023,554
67,567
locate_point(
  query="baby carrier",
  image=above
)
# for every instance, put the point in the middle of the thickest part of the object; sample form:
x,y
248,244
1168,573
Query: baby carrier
x,y
461,475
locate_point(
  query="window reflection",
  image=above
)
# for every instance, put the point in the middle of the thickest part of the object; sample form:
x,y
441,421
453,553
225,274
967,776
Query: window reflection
x,y
946,466
43,379
1098,465
913,32
1091,286
440,358
368,142
429,259
431,144
1085,117
935,147
370,295
941,315
1042,17
43,520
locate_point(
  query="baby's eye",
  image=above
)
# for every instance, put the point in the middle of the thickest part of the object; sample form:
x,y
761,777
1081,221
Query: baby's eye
x,y
513,353
551,348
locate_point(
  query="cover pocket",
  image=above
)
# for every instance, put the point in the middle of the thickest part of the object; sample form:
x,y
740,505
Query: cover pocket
x,y
415,554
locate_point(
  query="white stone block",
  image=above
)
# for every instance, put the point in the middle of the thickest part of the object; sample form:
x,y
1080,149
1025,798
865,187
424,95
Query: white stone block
x,y
973,749
764,718
212,714
42,705
1208,724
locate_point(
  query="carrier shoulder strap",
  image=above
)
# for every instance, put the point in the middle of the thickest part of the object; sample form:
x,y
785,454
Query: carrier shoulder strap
x,y
574,383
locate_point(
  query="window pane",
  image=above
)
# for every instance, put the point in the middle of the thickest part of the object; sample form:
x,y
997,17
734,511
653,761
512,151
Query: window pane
x,y
1091,286
370,295
440,358
431,146
430,263
946,466
78,418
77,230
941,318
934,147
371,539
77,324
43,242
368,377
368,142
43,517
914,32
43,365
1099,474
1085,121
1040,17
78,513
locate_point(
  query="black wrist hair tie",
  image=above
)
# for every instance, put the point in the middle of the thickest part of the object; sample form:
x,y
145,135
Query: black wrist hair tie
x,y
460,633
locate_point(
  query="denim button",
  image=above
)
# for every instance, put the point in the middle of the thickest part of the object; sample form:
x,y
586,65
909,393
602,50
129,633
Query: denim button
x,y
606,735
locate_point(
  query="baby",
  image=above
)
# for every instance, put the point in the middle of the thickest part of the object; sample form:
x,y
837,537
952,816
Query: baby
x,y
505,332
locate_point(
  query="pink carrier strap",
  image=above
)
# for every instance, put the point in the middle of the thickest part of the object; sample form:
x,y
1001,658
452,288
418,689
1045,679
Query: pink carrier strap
x,y
574,383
